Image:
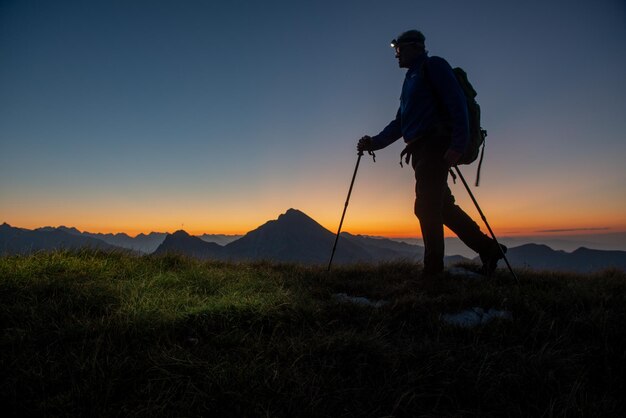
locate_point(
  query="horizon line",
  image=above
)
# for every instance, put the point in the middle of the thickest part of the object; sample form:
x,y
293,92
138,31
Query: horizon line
x,y
448,234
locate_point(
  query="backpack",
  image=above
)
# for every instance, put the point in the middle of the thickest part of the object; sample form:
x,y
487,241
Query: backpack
x,y
476,133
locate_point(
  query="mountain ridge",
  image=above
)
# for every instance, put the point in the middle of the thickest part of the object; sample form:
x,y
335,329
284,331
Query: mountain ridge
x,y
292,237
24,241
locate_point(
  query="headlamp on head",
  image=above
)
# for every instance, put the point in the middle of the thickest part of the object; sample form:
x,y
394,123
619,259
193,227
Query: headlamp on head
x,y
408,37
395,44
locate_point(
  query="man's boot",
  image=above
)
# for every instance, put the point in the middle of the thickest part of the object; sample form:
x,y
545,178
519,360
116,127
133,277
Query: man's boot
x,y
491,257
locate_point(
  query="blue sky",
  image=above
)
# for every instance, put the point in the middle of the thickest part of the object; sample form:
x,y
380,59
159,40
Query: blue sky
x,y
148,115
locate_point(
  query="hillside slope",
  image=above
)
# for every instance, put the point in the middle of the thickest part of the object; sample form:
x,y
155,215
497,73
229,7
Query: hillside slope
x,y
96,334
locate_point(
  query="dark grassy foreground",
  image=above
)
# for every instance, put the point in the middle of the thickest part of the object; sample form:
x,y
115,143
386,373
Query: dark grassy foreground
x,y
95,334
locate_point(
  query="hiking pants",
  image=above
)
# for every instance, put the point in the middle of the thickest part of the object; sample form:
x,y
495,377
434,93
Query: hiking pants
x,y
435,207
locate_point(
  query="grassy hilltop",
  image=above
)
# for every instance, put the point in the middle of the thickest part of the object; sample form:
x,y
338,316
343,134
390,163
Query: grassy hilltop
x,y
97,334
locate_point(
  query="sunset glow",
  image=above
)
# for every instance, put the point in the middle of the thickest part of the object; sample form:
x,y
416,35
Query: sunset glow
x,y
154,123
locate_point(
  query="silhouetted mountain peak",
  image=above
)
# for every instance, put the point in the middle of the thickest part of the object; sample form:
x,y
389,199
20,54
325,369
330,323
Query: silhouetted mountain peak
x,y
183,243
295,219
536,248
24,241
180,234
69,230
151,234
6,228
585,250
293,236
291,212
72,231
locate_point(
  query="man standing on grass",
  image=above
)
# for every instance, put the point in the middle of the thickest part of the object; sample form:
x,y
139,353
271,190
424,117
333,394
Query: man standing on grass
x,y
433,121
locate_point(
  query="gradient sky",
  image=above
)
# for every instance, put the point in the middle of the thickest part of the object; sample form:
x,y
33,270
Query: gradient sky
x,y
137,116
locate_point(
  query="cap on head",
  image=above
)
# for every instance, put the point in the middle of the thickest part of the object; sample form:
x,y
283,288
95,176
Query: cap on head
x,y
409,37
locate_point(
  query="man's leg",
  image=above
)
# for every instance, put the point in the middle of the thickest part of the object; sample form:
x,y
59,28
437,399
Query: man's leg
x,y
462,225
431,175
469,232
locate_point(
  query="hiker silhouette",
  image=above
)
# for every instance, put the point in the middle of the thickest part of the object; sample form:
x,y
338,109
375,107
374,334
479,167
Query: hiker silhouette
x,y
433,120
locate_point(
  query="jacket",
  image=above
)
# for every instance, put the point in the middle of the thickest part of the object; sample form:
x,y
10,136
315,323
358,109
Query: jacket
x,y
431,101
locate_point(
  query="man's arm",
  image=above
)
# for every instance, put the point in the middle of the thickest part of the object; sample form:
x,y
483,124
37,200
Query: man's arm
x,y
391,133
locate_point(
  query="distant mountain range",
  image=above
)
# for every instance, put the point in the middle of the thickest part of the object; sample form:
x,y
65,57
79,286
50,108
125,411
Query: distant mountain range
x,y
293,237
141,243
220,239
582,260
25,241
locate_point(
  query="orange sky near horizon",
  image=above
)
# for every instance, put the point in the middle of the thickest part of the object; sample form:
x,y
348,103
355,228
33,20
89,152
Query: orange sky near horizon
x,y
410,228
381,203
390,221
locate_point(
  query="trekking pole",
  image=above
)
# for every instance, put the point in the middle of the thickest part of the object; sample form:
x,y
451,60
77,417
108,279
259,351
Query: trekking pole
x,y
344,208
482,215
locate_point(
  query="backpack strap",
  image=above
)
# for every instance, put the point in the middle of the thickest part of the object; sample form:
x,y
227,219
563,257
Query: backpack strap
x,y
480,161
439,105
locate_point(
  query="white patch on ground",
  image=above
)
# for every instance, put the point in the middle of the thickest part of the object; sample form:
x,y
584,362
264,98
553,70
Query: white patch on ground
x,y
473,317
358,300
463,272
